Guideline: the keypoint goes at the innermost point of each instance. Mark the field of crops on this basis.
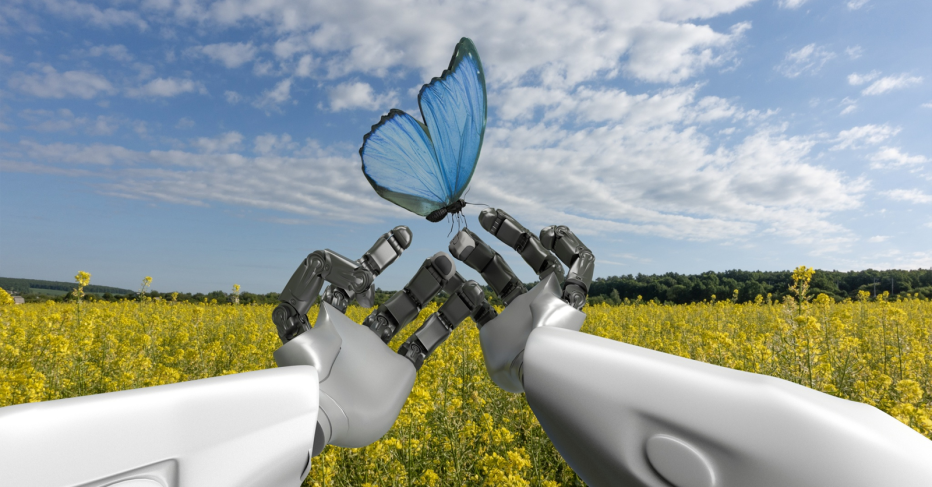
(457, 428)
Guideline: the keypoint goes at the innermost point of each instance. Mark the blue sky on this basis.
(211, 143)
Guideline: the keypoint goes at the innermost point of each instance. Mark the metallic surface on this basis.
(318, 348)
(503, 338)
(601, 402)
(572, 252)
(514, 235)
(467, 300)
(471, 250)
(348, 280)
(248, 429)
(403, 306)
(367, 385)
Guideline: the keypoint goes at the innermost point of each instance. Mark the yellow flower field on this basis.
(457, 428)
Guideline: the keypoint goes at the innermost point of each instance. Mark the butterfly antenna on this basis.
(468, 203)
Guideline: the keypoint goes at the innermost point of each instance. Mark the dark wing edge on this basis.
(415, 204)
(382, 121)
(463, 49)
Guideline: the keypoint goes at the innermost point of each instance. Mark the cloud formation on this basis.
(910, 195)
(809, 58)
(556, 43)
(46, 82)
(890, 83)
(231, 55)
(165, 88)
(892, 157)
(352, 95)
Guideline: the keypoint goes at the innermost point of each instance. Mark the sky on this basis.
(212, 143)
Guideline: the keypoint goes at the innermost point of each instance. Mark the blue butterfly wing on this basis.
(398, 160)
(425, 167)
(454, 110)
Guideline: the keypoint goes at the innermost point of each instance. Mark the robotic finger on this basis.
(554, 302)
(467, 299)
(539, 253)
(467, 247)
(349, 279)
(532, 250)
(400, 309)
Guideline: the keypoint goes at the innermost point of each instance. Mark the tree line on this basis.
(674, 288)
(669, 288)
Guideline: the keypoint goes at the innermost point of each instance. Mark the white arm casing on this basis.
(252, 429)
(625, 415)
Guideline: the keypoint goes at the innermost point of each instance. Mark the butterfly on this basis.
(425, 167)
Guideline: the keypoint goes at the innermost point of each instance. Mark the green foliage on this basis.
(676, 288)
(38, 286)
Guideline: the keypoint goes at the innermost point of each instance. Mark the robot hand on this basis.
(555, 301)
(625, 415)
(363, 383)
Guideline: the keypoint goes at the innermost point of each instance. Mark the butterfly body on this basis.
(441, 213)
(425, 167)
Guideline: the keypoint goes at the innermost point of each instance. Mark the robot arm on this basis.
(624, 415)
(363, 383)
(338, 383)
(254, 428)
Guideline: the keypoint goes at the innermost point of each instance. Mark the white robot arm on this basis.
(625, 415)
(254, 428)
(337, 383)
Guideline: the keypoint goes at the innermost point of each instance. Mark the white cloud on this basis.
(791, 4)
(141, 128)
(878, 238)
(352, 95)
(96, 154)
(672, 105)
(892, 157)
(46, 82)
(671, 53)
(857, 4)
(64, 120)
(665, 182)
(165, 87)
(229, 54)
(108, 17)
(116, 51)
(858, 137)
(854, 52)
(849, 104)
(224, 144)
(556, 42)
(305, 66)
(49, 121)
(910, 195)
(809, 58)
(859, 79)
(892, 258)
(309, 182)
(889, 83)
(232, 97)
(275, 97)
(272, 144)
(184, 123)
(102, 125)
